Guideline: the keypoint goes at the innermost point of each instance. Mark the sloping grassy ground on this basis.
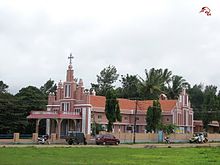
(109, 155)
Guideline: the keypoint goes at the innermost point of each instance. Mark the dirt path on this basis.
(177, 145)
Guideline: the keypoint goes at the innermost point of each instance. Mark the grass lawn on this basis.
(109, 155)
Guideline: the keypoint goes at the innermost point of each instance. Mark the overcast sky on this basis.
(36, 37)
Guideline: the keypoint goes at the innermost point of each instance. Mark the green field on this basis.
(109, 155)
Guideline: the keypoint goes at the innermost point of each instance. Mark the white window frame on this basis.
(65, 106)
(77, 111)
(67, 91)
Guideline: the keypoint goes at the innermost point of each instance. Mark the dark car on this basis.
(106, 139)
(74, 137)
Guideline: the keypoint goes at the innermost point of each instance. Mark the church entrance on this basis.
(70, 125)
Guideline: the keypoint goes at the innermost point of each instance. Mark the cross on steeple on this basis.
(70, 57)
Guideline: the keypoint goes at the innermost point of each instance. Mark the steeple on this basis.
(80, 82)
(69, 76)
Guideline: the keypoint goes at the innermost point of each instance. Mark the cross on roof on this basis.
(70, 57)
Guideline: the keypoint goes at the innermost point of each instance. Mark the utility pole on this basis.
(135, 120)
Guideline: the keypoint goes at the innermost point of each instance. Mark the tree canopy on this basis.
(155, 83)
(112, 109)
(3, 87)
(14, 109)
(175, 86)
(205, 103)
(153, 117)
(105, 80)
(48, 87)
(11, 118)
(130, 85)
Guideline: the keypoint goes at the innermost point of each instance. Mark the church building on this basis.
(74, 108)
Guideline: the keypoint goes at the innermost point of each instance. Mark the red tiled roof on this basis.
(126, 104)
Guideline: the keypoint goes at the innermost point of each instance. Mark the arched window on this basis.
(67, 90)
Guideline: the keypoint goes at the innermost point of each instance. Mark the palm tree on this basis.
(154, 84)
(174, 89)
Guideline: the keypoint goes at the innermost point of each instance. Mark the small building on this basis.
(213, 126)
(74, 108)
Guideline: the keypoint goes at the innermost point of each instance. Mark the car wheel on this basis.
(116, 143)
(104, 143)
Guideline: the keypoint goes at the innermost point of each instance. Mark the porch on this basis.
(58, 123)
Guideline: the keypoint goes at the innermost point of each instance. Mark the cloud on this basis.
(36, 38)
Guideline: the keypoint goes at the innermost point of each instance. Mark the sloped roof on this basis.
(126, 104)
(200, 123)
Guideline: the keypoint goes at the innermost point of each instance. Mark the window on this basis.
(65, 107)
(67, 90)
(186, 100)
(125, 118)
(184, 118)
(168, 119)
(77, 110)
(99, 118)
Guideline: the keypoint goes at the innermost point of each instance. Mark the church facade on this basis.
(74, 108)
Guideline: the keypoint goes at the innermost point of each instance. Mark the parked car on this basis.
(74, 137)
(199, 137)
(106, 139)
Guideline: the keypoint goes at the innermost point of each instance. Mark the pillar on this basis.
(16, 137)
(53, 137)
(88, 120)
(84, 120)
(47, 126)
(34, 137)
(68, 125)
(58, 128)
(37, 125)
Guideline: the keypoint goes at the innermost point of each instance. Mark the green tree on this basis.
(3, 87)
(175, 86)
(153, 117)
(210, 105)
(217, 116)
(168, 128)
(166, 76)
(155, 83)
(112, 109)
(48, 87)
(11, 118)
(130, 85)
(105, 80)
(30, 98)
(196, 97)
(96, 128)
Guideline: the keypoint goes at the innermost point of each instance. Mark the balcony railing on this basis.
(54, 112)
